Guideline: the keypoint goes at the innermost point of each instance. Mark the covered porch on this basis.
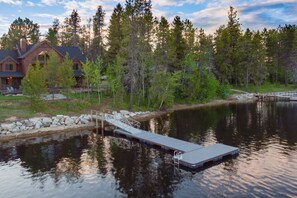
(10, 82)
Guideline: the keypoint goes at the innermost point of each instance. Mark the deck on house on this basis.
(191, 155)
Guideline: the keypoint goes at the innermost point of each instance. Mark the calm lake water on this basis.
(81, 164)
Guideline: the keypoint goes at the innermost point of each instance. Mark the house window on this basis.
(9, 67)
(75, 66)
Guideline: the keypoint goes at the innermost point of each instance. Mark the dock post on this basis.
(102, 123)
(96, 122)
(92, 115)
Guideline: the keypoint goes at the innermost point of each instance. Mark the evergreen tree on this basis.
(177, 44)
(52, 71)
(286, 38)
(246, 56)
(71, 29)
(222, 59)
(161, 52)
(66, 74)
(53, 33)
(20, 28)
(205, 52)
(259, 68)
(115, 34)
(97, 43)
(226, 49)
(34, 83)
(271, 39)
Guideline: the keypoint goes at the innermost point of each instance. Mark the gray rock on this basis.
(69, 121)
(47, 122)
(19, 124)
(59, 116)
(84, 121)
(8, 127)
(38, 125)
(124, 112)
(22, 128)
(34, 120)
(16, 129)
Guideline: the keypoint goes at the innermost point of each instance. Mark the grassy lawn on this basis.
(268, 87)
(19, 107)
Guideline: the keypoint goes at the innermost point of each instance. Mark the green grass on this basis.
(15, 108)
(268, 87)
(12, 98)
(21, 108)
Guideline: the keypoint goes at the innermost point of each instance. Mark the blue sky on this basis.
(208, 14)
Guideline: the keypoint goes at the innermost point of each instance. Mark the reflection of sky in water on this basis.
(86, 165)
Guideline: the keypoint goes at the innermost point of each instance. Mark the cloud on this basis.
(30, 3)
(49, 2)
(12, 2)
(43, 15)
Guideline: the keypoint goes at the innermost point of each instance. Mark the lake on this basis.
(86, 164)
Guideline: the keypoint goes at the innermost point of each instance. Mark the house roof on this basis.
(73, 51)
(12, 74)
(8, 53)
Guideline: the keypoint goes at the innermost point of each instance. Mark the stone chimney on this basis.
(23, 44)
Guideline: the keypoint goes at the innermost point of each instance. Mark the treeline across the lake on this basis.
(152, 62)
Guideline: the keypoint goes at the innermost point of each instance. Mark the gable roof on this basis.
(8, 53)
(73, 51)
(35, 46)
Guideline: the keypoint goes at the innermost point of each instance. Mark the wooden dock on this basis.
(277, 96)
(187, 154)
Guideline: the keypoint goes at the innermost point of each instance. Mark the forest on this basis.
(154, 63)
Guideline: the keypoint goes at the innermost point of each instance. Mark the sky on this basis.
(206, 14)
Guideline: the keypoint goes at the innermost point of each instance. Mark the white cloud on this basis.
(49, 2)
(43, 15)
(30, 3)
(12, 2)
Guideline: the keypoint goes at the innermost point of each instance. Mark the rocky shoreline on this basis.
(43, 122)
(51, 125)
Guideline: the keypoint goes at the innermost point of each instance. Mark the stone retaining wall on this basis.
(43, 122)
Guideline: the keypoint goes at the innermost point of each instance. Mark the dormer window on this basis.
(9, 67)
(42, 58)
(75, 66)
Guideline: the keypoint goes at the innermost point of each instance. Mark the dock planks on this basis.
(193, 155)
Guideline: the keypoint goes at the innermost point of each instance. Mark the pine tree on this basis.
(97, 43)
(34, 83)
(161, 52)
(246, 57)
(271, 40)
(52, 71)
(259, 68)
(53, 33)
(66, 74)
(20, 28)
(115, 34)
(71, 29)
(177, 44)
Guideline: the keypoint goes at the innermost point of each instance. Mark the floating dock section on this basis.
(187, 154)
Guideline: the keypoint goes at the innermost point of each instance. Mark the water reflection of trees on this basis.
(236, 124)
(61, 159)
(142, 172)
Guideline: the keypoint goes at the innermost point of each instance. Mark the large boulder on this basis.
(8, 127)
(47, 122)
(69, 121)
